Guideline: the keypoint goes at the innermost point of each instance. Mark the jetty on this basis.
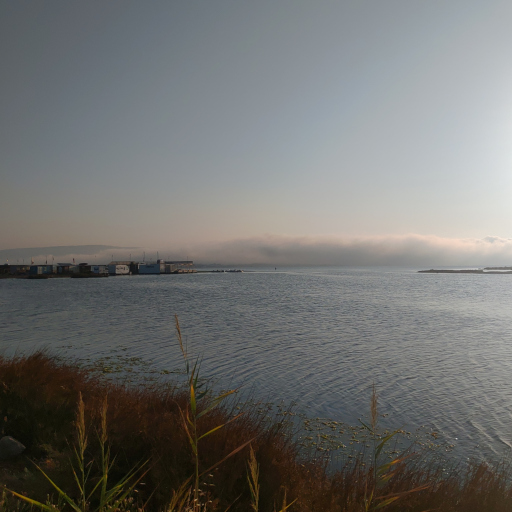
(486, 270)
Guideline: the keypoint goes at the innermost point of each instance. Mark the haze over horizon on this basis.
(411, 250)
(288, 132)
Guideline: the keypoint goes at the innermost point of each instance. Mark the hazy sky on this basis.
(184, 124)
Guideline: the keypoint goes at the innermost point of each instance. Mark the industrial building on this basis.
(114, 268)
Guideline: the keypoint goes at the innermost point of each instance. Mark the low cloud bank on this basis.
(64, 254)
(385, 250)
(405, 250)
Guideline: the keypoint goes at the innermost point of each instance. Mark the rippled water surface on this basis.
(437, 346)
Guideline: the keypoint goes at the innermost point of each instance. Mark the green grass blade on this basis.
(180, 497)
(216, 401)
(235, 451)
(223, 425)
(207, 410)
(210, 432)
(385, 478)
(192, 399)
(71, 503)
(117, 493)
(382, 469)
(93, 490)
(189, 435)
(201, 394)
(385, 503)
(31, 501)
(365, 426)
(284, 508)
(381, 445)
(78, 483)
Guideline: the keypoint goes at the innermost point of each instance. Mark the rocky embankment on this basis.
(486, 270)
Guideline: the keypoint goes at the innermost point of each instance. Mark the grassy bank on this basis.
(73, 420)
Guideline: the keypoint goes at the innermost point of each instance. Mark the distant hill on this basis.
(56, 251)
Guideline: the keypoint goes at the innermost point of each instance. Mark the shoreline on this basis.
(41, 394)
(487, 270)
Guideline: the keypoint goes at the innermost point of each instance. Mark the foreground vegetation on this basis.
(97, 445)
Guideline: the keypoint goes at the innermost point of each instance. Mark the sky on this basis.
(301, 132)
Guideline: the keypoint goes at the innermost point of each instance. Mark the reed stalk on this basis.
(40, 404)
(109, 497)
(199, 393)
(253, 474)
(381, 474)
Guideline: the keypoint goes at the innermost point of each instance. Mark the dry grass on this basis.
(39, 395)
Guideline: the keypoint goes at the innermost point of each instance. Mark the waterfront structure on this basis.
(149, 268)
(99, 270)
(118, 269)
(38, 270)
(178, 267)
(19, 270)
(64, 268)
(86, 270)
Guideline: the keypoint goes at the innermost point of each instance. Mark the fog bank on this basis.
(405, 250)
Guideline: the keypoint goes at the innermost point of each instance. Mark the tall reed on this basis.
(381, 474)
(108, 498)
(40, 405)
(198, 392)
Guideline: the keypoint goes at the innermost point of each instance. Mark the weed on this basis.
(194, 412)
(110, 497)
(41, 406)
(253, 474)
(380, 474)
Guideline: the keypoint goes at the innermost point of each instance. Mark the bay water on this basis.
(438, 347)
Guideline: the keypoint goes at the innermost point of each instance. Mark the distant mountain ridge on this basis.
(56, 251)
